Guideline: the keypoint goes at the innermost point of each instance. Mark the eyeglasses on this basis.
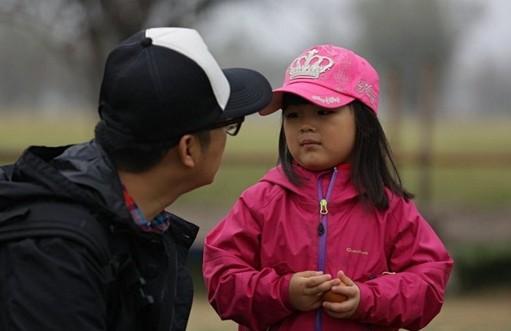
(231, 126)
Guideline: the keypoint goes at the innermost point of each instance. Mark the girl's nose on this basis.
(306, 127)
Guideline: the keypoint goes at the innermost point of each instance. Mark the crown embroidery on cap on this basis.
(310, 65)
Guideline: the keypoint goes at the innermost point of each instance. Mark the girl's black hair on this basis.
(373, 166)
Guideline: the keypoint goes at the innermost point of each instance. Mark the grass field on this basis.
(483, 183)
(259, 134)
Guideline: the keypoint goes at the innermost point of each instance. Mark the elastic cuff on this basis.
(284, 292)
(365, 301)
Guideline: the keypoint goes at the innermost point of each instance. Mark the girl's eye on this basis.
(324, 112)
(290, 115)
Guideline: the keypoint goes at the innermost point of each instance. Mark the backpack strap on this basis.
(124, 269)
(6, 171)
(56, 218)
(37, 219)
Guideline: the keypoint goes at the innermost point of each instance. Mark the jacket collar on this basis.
(342, 190)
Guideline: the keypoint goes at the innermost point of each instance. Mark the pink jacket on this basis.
(273, 231)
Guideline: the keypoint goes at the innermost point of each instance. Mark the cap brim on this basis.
(250, 92)
(316, 94)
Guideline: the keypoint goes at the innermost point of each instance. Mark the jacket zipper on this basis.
(322, 232)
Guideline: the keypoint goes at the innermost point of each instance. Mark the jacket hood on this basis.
(78, 173)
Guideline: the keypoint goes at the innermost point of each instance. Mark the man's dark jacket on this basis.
(53, 283)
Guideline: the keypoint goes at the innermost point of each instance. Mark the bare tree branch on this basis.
(82, 32)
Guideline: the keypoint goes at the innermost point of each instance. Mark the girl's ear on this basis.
(189, 150)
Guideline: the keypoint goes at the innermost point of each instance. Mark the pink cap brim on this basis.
(316, 94)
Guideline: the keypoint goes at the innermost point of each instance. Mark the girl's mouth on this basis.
(307, 142)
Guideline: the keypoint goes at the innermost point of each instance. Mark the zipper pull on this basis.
(322, 207)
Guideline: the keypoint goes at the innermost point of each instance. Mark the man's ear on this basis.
(189, 150)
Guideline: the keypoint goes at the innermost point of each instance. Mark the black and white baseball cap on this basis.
(162, 83)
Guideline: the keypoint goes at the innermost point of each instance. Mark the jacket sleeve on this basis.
(50, 284)
(238, 288)
(411, 293)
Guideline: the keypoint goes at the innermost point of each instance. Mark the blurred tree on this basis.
(413, 41)
(405, 35)
(81, 32)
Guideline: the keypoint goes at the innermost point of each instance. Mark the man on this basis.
(165, 108)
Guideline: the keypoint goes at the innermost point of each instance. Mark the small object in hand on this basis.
(334, 297)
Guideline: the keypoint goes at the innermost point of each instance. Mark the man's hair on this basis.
(134, 156)
(373, 166)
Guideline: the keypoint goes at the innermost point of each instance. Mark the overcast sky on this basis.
(491, 35)
(272, 34)
(284, 29)
(488, 41)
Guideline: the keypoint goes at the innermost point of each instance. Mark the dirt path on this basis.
(475, 313)
(482, 312)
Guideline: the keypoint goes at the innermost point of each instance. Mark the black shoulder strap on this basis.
(6, 171)
(56, 218)
(77, 223)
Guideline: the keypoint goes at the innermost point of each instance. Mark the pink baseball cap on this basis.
(330, 77)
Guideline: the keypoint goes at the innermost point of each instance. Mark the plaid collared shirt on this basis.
(158, 224)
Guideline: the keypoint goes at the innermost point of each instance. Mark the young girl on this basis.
(332, 216)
